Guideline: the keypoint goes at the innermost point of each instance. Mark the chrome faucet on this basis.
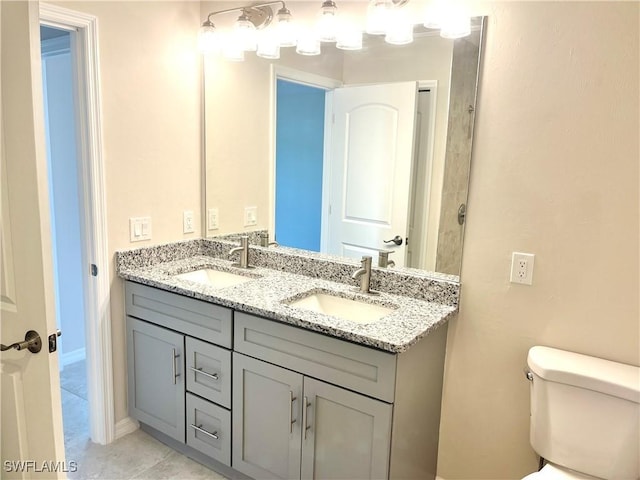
(364, 273)
(264, 240)
(243, 261)
(383, 259)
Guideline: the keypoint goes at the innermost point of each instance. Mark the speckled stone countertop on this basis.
(271, 290)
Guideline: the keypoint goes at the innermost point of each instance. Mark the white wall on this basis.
(555, 173)
(151, 106)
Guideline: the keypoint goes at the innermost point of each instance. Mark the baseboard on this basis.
(72, 357)
(126, 426)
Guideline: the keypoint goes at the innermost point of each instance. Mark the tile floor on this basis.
(134, 456)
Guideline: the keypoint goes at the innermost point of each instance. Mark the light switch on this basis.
(250, 216)
(187, 222)
(139, 228)
(212, 219)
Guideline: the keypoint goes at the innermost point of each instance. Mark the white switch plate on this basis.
(187, 222)
(139, 228)
(250, 216)
(213, 222)
(522, 268)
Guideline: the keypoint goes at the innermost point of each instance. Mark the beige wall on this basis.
(151, 110)
(555, 173)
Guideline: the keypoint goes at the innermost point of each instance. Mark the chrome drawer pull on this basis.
(199, 428)
(213, 376)
(291, 420)
(305, 415)
(174, 355)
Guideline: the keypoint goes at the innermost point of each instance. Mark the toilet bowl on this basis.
(555, 472)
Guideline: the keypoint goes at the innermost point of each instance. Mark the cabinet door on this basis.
(156, 377)
(266, 419)
(346, 435)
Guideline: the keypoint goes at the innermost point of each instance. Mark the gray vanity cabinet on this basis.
(272, 400)
(287, 425)
(156, 377)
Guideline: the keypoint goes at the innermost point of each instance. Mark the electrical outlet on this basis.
(522, 268)
(139, 229)
(187, 222)
(250, 216)
(213, 222)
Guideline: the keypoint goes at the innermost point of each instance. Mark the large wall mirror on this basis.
(348, 152)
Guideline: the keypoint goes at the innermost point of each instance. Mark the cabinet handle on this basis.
(174, 355)
(199, 428)
(305, 415)
(213, 376)
(291, 419)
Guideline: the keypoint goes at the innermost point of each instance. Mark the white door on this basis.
(30, 393)
(370, 169)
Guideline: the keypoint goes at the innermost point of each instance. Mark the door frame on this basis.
(278, 72)
(84, 51)
(432, 86)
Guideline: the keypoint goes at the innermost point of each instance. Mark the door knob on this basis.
(32, 342)
(397, 240)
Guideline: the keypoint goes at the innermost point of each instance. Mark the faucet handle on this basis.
(383, 258)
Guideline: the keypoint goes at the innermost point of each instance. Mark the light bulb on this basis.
(377, 15)
(231, 49)
(308, 45)
(285, 28)
(208, 38)
(456, 25)
(268, 45)
(399, 28)
(349, 38)
(245, 34)
(327, 26)
(434, 14)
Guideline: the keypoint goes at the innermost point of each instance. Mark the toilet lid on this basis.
(554, 472)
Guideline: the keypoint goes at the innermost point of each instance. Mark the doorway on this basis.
(79, 227)
(65, 206)
(319, 201)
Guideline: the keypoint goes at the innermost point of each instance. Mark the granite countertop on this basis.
(269, 292)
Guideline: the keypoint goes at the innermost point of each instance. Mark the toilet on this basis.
(585, 416)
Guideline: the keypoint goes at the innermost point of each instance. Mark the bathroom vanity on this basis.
(244, 379)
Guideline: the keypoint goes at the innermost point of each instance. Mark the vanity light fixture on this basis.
(384, 17)
(252, 19)
(327, 25)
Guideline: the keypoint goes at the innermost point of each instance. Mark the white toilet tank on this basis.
(585, 413)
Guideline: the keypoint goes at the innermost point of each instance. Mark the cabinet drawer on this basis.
(209, 429)
(355, 367)
(208, 371)
(177, 312)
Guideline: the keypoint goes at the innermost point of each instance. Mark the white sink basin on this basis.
(344, 308)
(214, 278)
